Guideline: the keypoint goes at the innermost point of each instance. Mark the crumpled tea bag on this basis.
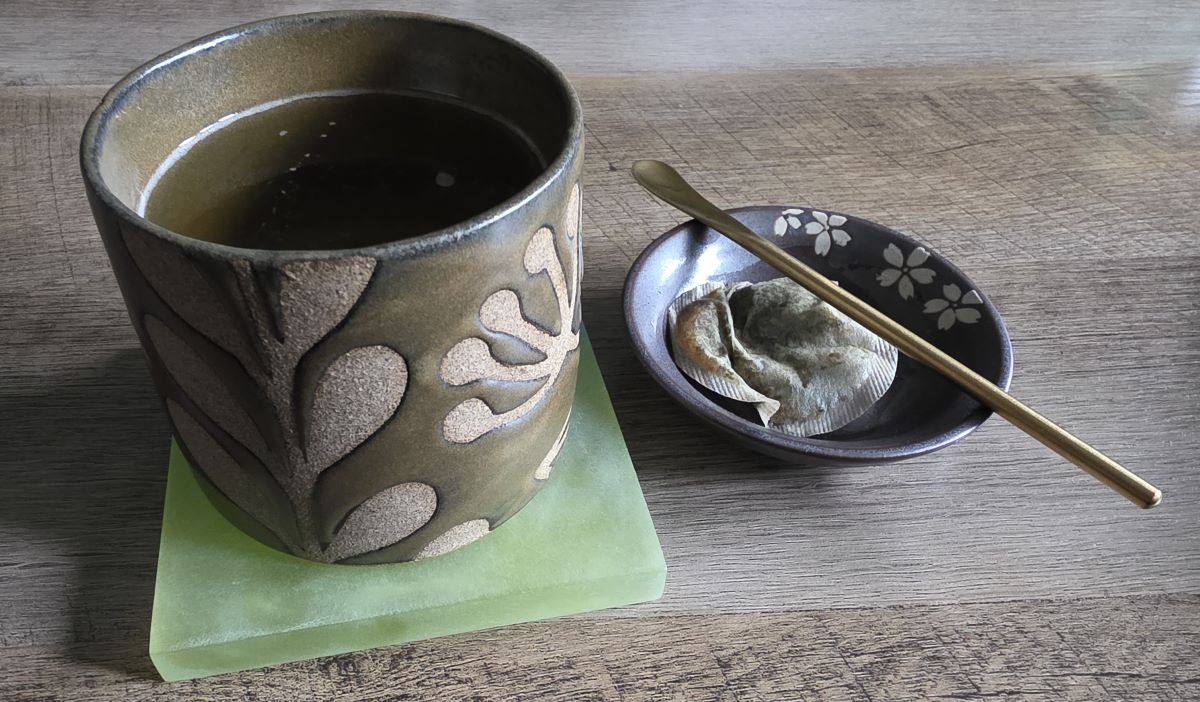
(702, 337)
(807, 368)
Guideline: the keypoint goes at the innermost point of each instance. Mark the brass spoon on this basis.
(663, 181)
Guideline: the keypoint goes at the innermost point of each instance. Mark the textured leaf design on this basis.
(315, 296)
(574, 213)
(547, 465)
(471, 359)
(263, 449)
(572, 228)
(291, 309)
(294, 308)
(356, 395)
(384, 519)
(204, 387)
(253, 491)
(269, 319)
(455, 538)
(196, 298)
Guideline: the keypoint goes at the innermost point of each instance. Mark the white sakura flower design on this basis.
(789, 218)
(952, 308)
(823, 226)
(905, 271)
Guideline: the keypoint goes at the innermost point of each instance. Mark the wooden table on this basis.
(1051, 152)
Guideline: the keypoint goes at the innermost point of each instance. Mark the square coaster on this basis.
(223, 602)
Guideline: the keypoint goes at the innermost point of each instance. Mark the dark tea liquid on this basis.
(340, 170)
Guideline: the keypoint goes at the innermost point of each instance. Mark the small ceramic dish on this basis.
(921, 411)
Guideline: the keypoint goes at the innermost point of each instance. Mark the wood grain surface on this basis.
(1067, 190)
(83, 41)
(1112, 648)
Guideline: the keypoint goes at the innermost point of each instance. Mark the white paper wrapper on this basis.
(708, 349)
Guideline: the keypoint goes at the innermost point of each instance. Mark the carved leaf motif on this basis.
(547, 465)
(358, 393)
(314, 296)
(573, 214)
(572, 226)
(292, 309)
(296, 307)
(192, 295)
(471, 359)
(384, 519)
(204, 387)
(269, 318)
(253, 491)
(455, 538)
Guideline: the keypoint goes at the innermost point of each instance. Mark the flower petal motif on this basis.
(888, 277)
(836, 220)
(814, 228)
(918, 256)
(952, 292)
(781, 226)
(893, 255)
(793, 221)
(924, 276)
(946, 319)
(793, 211)
(821, 217)
(936, 305)
(840, 237)
(905, 287)
(822, 244)
(972, 298)
(967, 315)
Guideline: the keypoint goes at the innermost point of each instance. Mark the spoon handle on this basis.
(663, 181)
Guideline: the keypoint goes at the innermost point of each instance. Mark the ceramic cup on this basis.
(370, 405)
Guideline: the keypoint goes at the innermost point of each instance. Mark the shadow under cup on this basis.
(377, 404)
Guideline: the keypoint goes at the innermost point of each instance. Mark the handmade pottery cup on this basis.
(370, 405)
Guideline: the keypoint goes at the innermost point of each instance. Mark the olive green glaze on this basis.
(333, 401)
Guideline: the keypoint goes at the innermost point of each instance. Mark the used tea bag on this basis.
(702, 337)
(807, 368)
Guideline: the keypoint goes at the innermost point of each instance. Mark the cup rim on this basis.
(93, 132)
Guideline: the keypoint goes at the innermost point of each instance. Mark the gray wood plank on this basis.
(1103, 649)
(79, 41)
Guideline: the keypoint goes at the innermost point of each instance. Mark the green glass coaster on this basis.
(223, 602)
